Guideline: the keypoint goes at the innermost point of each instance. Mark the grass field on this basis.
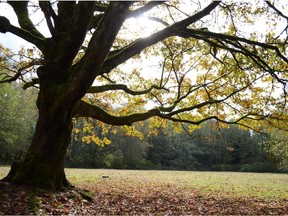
(134, 192)
(266, 185)
(262, 185)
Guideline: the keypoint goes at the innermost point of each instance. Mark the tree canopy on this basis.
(212, 62)
(125, 62)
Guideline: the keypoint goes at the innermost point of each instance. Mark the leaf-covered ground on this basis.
(118, 194)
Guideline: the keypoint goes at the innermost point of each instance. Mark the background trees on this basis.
(18, 115)
(18, 112)
(277, 146)
(207, 148)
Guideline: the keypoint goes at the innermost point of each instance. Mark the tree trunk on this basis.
(43, 166)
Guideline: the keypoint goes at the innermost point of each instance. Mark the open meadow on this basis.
(168, 192)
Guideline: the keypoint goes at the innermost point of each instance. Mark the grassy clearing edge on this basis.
(258, 185)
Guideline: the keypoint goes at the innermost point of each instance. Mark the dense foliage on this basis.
(207, 148)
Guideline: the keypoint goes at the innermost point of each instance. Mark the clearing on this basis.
(114, 192)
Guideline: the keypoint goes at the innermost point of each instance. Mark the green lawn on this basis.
(258, 185)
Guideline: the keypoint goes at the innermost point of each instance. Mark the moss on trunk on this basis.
(43, 166)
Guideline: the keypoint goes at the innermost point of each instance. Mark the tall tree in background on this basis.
(229, 72)
(17, 120)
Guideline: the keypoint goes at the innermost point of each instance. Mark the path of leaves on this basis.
(124, 198)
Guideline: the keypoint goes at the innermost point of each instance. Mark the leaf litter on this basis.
(124, 197)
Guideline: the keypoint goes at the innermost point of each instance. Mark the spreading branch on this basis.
(32, 83)
(97, 51)
(156, 19)
(21, 10)
(208, 34)
(20, 71)
(276, 10)
(232, 122)
(5, 26)
(76, 32)
(85, 109)
(49, 14)
(65, 13)
(88, 110)
(233, 45)
(117, 57)
(104, 88)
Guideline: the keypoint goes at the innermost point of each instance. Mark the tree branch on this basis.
(20, 8)
(95, 21)
(276, 10)
(33, 82)
(65, 13)
(48, 13)
(76, 32)
(237, 47)
(235, 122)
(208, 34)
(88, 110)
(97, 51)
(155, 19)
(99, 89)
(5, 26)
(117, 57)
(20, 70)
(168, 111)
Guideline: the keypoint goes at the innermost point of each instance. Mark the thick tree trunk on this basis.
(43, 165)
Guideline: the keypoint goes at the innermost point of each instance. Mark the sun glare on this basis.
(147, 25)
(142, 26)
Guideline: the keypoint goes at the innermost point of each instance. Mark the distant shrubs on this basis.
(258, 167)
(250, 167)
(114, 161)
(226, 167)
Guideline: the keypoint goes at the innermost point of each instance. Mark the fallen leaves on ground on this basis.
(13, 200)
(119, 197)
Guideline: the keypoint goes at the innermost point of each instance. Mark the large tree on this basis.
(204, 60)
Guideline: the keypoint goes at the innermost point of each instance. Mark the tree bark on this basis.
(43, 166)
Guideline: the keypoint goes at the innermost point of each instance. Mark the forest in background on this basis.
(206, 148)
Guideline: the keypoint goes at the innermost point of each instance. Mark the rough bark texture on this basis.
(43, 165)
